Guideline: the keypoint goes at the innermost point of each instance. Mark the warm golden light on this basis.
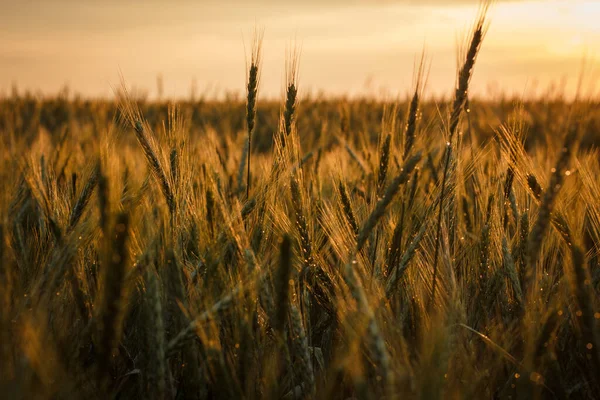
(355, 47)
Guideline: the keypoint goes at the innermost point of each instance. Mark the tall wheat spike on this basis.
(251, 95)
(460, 97)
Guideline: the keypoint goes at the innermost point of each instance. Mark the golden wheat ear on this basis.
(253, 81)
(460, 98)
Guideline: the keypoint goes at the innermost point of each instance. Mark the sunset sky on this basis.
(347, 46)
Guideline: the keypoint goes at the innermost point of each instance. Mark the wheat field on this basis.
(311, 248)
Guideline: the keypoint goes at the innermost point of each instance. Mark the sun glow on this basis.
(354, 47)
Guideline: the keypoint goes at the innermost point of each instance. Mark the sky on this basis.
(347, 47)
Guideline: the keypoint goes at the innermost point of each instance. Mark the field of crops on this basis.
(312, 248)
